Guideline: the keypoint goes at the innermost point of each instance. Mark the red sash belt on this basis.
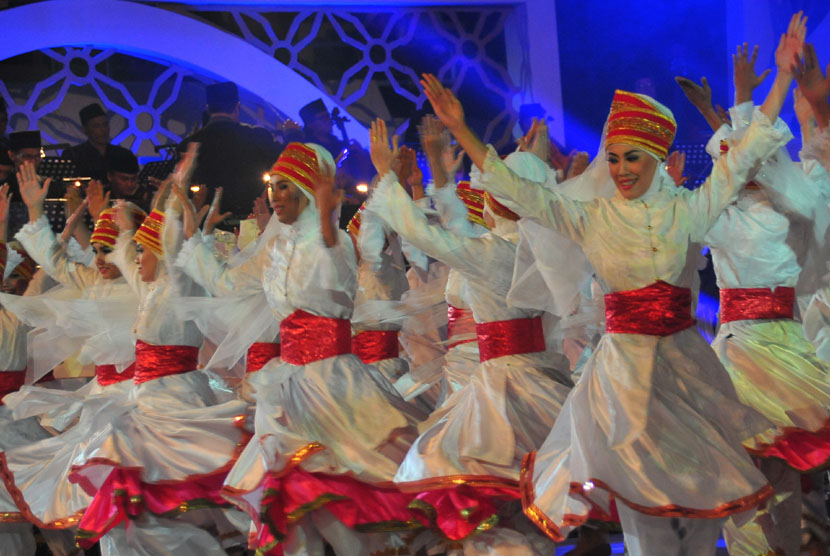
(306, 337)
(460, 322)
(659, 309)
(108, 374)
(11, 381)
(756, 303)
(259, 354)
(509, 337)
(152, 361)
(375, 345)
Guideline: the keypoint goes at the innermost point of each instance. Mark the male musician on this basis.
(91, 157)
(317, 128)
(232, 155)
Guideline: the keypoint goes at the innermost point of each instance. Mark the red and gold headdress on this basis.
(354, 224)
(499, 208)
(473, 199)
(298, 163)
(638, 120)
(106, 230)
(18, 260)
(149, 233)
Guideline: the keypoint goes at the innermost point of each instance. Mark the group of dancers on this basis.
(479, 368)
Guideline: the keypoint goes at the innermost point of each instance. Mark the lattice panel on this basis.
(371, 62)
(153, 102)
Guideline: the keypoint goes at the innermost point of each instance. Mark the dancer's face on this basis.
(108, 270)
(286, 200)
(631, 168)
(15, 284)
(147, 263)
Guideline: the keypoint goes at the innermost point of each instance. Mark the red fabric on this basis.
(509, 337)
(659, 309)
(11, 381)
(259, 354)
(459, 321)
(108, 374)
(152, 361)
(288, 496)
(459, 512)
(376, 345)
(306, 337)
(124, 495)
(756, 303)
(802, 450)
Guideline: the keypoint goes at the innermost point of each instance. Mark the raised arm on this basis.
(815, 86)
(391, 203)
(787, 56)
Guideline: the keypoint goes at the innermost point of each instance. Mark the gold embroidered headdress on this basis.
(640, 121)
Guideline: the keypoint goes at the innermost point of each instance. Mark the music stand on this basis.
(57, 168)
(158, 169)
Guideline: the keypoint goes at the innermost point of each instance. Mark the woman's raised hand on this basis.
(214, 217)
(746, 80)
(675, 164)
(98, 201)
(791, 45)
(382, 155)
(31, 190)
(446, 105)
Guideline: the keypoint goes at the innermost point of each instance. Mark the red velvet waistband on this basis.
(659, 309)
(11, 381)
(306, 337)
(152, 361)
(459, 322)
(108, 374)
(259, 354)
(375, 345)
(756, 303)
(509, 337)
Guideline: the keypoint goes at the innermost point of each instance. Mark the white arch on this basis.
(160, 34)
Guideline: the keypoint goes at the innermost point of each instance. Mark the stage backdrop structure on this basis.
(149, 64)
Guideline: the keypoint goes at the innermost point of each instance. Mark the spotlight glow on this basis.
(362, 188)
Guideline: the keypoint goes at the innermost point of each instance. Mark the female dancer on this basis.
(772, 365)
(322, 458)
(37, 474)
(470, 451)
(168, 451)
(654, 419)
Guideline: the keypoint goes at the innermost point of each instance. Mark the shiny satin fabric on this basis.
(154, 361)
(306, 337)
(108, 374)
(11, 381)
(461, 327)
(372, 346)
(756, 303)
(509, 337)
(659, 309)
(776, 372)
(259, 354)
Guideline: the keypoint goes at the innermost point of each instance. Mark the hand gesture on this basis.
(723, 115)
(814, 86)
(190, 218)
(214, 217)
(382, 156)
(791, 44)
(98, 201)
(416, 176)
(5, 202)
(184, 170)
(73, 200)
(675, 164)
(431, 133)
(540, 141)
(446, 105)
(451, 157)
(579, 163)
(327, 196)
(699, 95)
(73, 219)
(162, 193)
(746, 80)
(402, 164)
(122, 216)
(261, 212)
(31, 190)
